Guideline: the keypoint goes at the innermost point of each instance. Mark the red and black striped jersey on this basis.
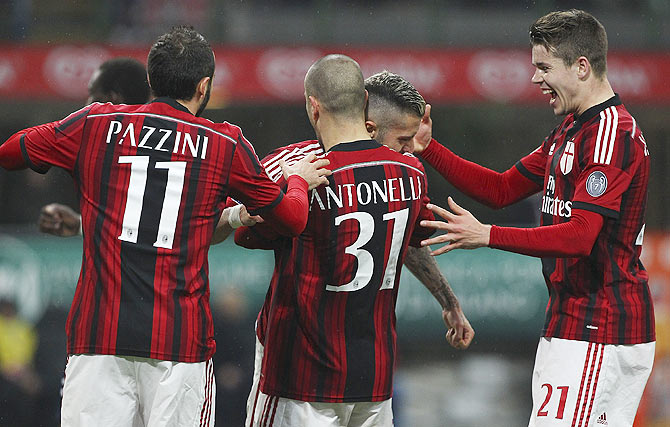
(597, 161)
(152, 181)
(290, 154)
(330, 333)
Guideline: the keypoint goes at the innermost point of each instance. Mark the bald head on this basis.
(336, 81)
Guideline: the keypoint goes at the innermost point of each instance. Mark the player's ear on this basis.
(201, 89)
(583, 67)
(371, 128)
(314, 108)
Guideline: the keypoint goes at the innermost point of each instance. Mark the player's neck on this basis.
(191, 105)
(599, 92)
(337, 132)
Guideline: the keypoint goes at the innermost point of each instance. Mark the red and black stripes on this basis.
(328, 324)
(152, 180)
(602, 297)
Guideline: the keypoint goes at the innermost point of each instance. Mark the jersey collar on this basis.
(596, 109)
(364, 144)
(172, 103)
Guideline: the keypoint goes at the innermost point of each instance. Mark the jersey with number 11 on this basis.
(152, 180)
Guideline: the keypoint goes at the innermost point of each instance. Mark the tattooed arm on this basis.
(425, 269)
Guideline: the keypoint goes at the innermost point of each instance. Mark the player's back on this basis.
(152, 180)
(331, 329)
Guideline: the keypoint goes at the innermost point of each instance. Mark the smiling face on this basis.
(556, 79)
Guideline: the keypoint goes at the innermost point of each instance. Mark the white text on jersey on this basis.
(388, 190)
(173, 139)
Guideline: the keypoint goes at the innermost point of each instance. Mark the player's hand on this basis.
(425, 133)
(460, 333)
(249, 220)
(311, 170)
(59, 220)
(463, 230)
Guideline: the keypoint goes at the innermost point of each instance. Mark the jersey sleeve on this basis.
(421, 233)
(487, 186)
(608, 167)
(533, 165)
(249, 183)
(55, 143)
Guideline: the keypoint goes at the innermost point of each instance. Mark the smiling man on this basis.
(597, 345)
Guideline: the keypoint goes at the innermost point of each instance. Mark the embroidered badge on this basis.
(596, 184)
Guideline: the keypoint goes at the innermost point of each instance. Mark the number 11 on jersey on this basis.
(139, 166)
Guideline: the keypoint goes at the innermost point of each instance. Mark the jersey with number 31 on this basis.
(330, 333)
(152, 181)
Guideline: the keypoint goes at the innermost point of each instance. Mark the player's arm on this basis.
(487, 186)
(261, 236)
(425, 269)
(287, 212)
(232, 217)
(492, 188)
(11, 157)
(42, 146)
(574, 238)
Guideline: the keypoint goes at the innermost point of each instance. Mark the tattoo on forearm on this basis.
(425, 269)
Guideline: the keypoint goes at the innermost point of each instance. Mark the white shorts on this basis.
(106, 390)
(256, 399)
(273, 411)
(580, 384)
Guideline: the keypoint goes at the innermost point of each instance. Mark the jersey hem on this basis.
(315, 398)
(137, 353)
(607, 340)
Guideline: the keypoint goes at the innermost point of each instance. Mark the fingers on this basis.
(455, 207)
(441, 212)
(444, 249)
(309, 158)
(426, 114)
(49, 221)
(321, 164)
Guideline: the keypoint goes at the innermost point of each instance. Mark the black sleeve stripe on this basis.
(539, 180)
(24, 152)
(252, 156)
(595, 208)
(63, 126)
(268, 207)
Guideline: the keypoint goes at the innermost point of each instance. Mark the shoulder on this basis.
(290, 154)
(295, 151)
(408, 159)
(413, 161)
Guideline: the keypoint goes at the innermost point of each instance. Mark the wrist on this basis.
(234, 220)
(297, 180)
(487, 234)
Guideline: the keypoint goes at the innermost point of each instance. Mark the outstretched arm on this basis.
(425, 269)
(487, 186)
(10, 153)
(574, 238)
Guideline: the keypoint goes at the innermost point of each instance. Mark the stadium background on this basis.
(470, 60)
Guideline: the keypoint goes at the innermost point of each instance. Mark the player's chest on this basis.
(564, 162)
